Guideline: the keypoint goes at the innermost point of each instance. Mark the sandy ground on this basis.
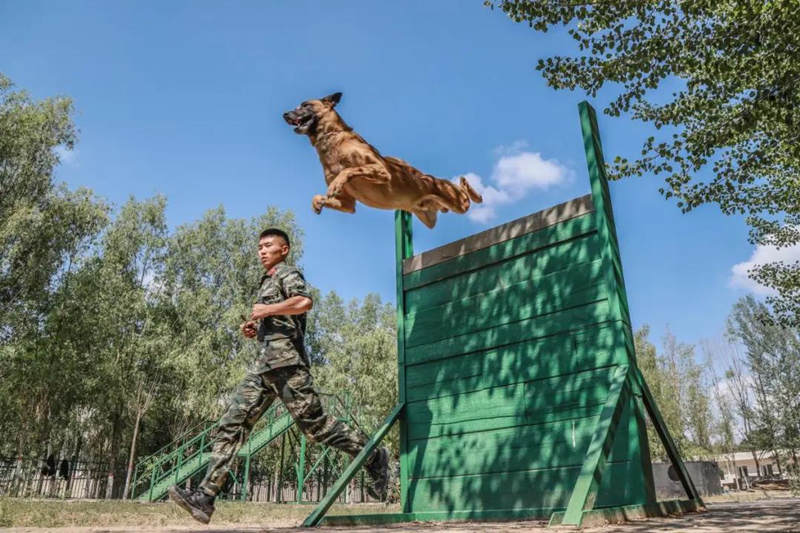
(762, 516)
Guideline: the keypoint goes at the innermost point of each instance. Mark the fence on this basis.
(59, 478)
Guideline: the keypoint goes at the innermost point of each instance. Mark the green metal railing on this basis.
(189, 454)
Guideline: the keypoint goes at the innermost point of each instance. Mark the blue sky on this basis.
(185, 99)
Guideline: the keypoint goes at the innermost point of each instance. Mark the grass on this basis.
(19, 512)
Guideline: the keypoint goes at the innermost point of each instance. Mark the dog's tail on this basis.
(467, 188)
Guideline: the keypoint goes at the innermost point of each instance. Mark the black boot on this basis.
(199, 504)
(378, 470)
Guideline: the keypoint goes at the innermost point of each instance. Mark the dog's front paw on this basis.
(317, 203)
(334, 189)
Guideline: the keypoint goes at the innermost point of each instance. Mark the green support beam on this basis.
(585, 491)
(404, 249)
(359, 460)
(666, 438)
(300, 468)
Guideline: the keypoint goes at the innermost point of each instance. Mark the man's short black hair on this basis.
(275, 231)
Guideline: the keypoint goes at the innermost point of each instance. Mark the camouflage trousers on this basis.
(295, 387)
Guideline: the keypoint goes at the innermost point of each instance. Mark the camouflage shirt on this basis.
(281, 335)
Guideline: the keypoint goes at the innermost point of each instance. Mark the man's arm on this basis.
(294, 305)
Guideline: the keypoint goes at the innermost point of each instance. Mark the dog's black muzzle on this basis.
(303, 121)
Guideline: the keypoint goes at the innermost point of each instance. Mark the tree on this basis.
(355, 346)
(773, 359)
(679, 387)
(735, 114)
(45, 233)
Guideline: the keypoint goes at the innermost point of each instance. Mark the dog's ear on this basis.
(332, 99)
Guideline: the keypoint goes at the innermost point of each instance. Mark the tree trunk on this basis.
(134, 439)
(116, 421)
(758, 464)
(777, 461)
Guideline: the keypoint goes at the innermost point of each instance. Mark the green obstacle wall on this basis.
(519, 394)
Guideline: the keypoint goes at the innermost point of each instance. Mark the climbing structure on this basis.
(188, 456)
(519, 394)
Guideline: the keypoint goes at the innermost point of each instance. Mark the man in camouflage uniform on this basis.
(281, 370)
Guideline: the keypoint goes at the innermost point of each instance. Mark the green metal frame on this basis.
(188, 455)
(626, 390)
(191, 455)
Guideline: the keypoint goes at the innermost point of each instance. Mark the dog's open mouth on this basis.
(302, 123)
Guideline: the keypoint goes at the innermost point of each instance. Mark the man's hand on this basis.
(249, 329)
(260, 311)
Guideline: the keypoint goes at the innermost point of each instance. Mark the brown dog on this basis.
(354, 170)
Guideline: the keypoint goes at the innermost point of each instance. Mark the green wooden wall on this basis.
(508, 341)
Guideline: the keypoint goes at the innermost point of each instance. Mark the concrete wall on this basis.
(706, 476)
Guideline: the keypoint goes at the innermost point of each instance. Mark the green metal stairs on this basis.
(188, 455)
(183, 458)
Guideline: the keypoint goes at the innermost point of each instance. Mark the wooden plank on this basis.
(548, 445)
(424, 429)
(500, 451)
(590, 386)
(553, 433)
(543, 391)
(529, 360)
(515, 228)
(498, 368)
(556, 355)
(586, 485)
(505, 273)
(558, 291)
(508, 490)
(543, 488)
(357, 462)
(532, 242)
(570, 320)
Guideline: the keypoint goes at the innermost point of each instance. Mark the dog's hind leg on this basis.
(427, 208)
(427, 217)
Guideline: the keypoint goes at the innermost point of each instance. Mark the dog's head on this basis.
(307, 116)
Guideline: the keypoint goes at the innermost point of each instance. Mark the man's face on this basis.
(272, 249)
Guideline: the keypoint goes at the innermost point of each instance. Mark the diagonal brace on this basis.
(585, 490)
(359, 460)
(666, 438)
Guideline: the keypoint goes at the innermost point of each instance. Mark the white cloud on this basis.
(513, 148)
(761, 255)
(515, 173)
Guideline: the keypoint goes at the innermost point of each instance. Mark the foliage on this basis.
(733, 112)
(772, 357)
(679, 386)
(356, 347)
(46, 231)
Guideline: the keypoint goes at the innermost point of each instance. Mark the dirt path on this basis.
(758, 516)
